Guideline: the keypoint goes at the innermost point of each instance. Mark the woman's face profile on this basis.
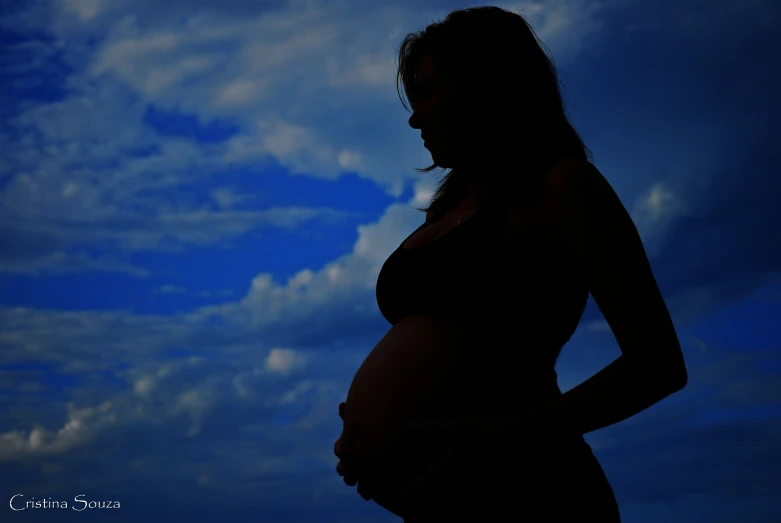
(438, 113)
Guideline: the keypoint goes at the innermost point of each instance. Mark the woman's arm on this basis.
(604, 246)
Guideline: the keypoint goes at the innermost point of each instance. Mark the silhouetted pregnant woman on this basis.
(483, 296)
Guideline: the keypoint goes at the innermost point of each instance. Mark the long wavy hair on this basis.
(514, 108)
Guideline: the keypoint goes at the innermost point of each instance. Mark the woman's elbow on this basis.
(683, 378)
(672, 369)
(668, 375)
(675, 376)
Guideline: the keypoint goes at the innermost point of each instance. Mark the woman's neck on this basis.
(477, 184)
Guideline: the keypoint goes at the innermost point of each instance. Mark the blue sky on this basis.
(195, 203)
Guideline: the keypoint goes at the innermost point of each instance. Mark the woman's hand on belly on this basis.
(382, 470)
(339, 451)
(422, 368)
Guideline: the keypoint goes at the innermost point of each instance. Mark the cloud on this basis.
(90, 170)
(324, 305)
(653, 213)
(169, 289)
(308, 312)
(39, 441)
(220, 407)
(187, 396)
(563, 25)
(63, 262)
(283, 360)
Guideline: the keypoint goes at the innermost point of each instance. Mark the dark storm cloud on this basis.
(688, 92)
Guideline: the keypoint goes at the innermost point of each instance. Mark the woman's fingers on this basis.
(349, 478)
(364, 491)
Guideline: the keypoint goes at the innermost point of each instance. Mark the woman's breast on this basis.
(425, 368)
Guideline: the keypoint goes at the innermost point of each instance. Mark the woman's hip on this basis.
(556, 481)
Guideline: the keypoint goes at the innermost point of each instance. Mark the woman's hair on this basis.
(513, 108)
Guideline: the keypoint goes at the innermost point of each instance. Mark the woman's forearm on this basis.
(617, 392)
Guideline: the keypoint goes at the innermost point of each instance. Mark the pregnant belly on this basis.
(421, 369)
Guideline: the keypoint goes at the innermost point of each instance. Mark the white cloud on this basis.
(61, 262)
(339, 287)
(85, 9)
(170, 289)
(658, 204)
(240, 93)
(77, 430)
(144, 386)
(563, 25)
(654, 211)
(227, 198)
(283, 360)
(598, 326)
(184, 396)
(301, 82)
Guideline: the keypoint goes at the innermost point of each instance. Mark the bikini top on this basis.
(470, 275)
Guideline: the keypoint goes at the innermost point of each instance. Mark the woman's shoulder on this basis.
(526, 218)
(561, 178)
(566, 175)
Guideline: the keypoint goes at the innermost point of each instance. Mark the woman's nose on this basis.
(414, 120)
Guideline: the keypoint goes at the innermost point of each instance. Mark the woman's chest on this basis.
(528, 233)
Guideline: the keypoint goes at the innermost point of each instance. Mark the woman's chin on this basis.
(442, 161)
(389, 503)
(386, 481)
